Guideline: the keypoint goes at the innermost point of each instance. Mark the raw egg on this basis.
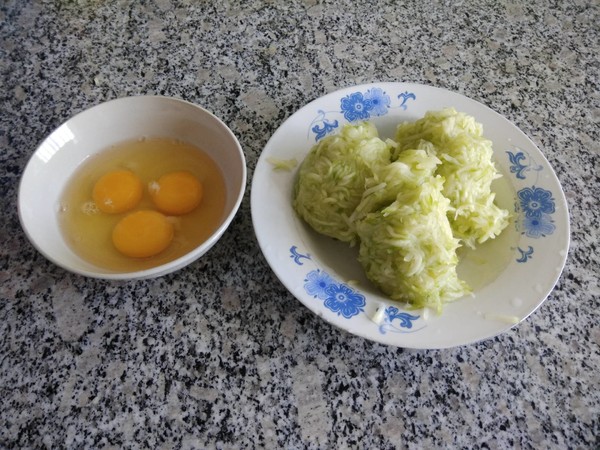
(117, 191)
(142, 234)
(88, 230)
(176, 193)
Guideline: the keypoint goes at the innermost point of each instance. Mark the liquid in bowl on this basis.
(88, 231)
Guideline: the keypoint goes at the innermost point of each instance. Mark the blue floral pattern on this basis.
(534, 205)
(323, 125)
(344, 300)
(525, 254)
(521, 163)
(338, 297)
(357, 106)
(380, 101)
(392, 313)
(316, 284)
(536, 202)
(347, 302)
(298, 256)
(538, 226)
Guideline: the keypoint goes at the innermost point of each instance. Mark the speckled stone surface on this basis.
(220, 355)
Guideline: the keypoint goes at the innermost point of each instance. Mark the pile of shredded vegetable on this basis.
(409, 204)
(467, 169)
(332, 177)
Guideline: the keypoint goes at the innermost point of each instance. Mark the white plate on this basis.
(510, 276)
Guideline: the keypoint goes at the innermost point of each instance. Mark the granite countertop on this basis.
(219, 354)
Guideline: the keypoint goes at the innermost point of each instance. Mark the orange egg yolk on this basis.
(117, 191)
(142, 234)
(176, 193)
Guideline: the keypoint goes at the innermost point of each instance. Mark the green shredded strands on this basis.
(408, 203)
(511, 320)
(467, 168)
(332, 177)
(407, 247)
(282, 164)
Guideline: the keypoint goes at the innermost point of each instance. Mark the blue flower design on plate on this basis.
(346, 301)
(380, 101)
(521, 163)
(538, 226)
(358, 106)
(325, 126)
(536, 202)
(338, 297)
(392, 313)
(534, 205)
(525, 254)
(297, 256)
(316, 284)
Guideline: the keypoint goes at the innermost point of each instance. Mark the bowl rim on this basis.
(162, 269)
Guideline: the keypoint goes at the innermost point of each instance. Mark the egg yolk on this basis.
(117, 191)
(176, 193)
(142, 234)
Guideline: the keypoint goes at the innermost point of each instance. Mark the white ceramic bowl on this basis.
(96, 129)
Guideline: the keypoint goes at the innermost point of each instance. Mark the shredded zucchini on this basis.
(467, 168)
(407, 248)
(282, 164)
(409, 203)
(331, 179)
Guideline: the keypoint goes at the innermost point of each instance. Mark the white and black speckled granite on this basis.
(219, 355)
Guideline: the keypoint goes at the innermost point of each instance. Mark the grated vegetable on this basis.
(409, 203)
(331, 179)
(467, 169)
